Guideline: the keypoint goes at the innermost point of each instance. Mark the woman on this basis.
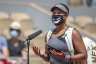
(57, 50)
(15, 44)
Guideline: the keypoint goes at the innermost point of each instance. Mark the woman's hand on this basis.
(36, 50)
(58, 54)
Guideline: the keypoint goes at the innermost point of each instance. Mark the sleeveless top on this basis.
(59, 44)
(16, 50)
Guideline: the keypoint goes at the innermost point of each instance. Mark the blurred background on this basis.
(35, 14)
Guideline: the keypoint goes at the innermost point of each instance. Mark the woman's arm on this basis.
(5, 52)
(81, 53)
(37, 51)
(46, 55)
(4, 45)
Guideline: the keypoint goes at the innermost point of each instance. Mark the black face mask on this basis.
(57, 19)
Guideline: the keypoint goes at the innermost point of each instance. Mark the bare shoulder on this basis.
(76, 34)
(77, 38)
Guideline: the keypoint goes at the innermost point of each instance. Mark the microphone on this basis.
(32, 36)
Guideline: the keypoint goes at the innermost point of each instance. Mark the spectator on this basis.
(3, 45)
(15, 45)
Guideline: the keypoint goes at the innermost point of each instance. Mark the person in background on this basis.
(15, 45)
(3, 45)
(4, 53)
(64, 44)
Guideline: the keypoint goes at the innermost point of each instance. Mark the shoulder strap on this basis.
(68, 38)
(48, 35)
